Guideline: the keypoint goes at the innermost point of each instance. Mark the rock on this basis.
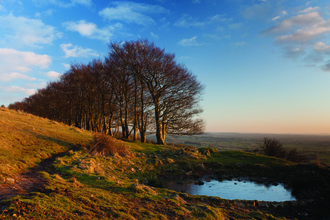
(200, 166)
(159, 162)
(199, 182)
(169, 160)
(263, 204)
(10, 180)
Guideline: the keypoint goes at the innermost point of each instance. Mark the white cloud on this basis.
(310, 9)
(279, 16)
(189, 21)
(301, 32)
(321, 47)
(77, 51)
(154, 35)
(17, 89)
(90, 30)
(257, 11)
(275, 18)
(27, 32)
(66, 66)
(306, 34)
(294, 52)
(240, 44)
(235, 26)
(130, 12)
(7, 77)
(53, 74)
(190, 42)
(214, 36)
(307, 21)
(64, 4)
(19, 61)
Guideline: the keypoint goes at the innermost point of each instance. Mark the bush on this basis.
(274, 148)
(105, 145)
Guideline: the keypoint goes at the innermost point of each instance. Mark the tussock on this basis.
(105, 145)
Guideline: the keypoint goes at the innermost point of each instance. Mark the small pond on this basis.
(233, 189)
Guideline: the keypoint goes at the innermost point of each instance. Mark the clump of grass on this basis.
(105, 145)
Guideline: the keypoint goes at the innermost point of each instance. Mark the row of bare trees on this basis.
(138, 88)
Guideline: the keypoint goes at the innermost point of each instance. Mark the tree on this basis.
(174, 90)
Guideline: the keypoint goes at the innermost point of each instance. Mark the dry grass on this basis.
(26, 139)
(105, 145)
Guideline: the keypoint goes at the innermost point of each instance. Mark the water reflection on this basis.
(231, 189)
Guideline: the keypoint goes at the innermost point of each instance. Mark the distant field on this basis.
(316, 146)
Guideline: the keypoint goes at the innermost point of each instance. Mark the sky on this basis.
(265, 64)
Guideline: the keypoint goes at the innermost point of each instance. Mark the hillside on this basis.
(46, 172)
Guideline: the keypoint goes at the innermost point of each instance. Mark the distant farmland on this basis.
(316, 146)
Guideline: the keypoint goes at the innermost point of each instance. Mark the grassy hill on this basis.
(46, 172)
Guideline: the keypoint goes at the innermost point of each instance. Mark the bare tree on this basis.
(175, 92)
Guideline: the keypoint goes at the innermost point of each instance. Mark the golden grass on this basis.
(26, 139)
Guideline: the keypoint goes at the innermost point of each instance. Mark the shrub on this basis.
(105, 145)
(295, 156)
(274, 148)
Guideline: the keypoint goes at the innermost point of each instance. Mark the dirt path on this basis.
(28, 181)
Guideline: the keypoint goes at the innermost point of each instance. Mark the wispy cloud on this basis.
(20, 61)
(257, 11)
(308, 10)
(77, 51)
(53, 74)
(17, 89)
(235, 26)
(326, 67)
(189, 21)
(16, 67)
(190, 42)
(154, 35)
(21, 31)
(7, 77)
(64, 4)
(294, 52)
(196, 1)
(237, 44)
(131, 12)
(66, 66)
(312, 25)
(321, 47)
(90, 30)
(300, 33)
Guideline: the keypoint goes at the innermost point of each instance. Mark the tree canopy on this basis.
(137, 88)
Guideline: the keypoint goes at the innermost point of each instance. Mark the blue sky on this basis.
(265, 64)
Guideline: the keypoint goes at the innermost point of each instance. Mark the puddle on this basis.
(232, 189)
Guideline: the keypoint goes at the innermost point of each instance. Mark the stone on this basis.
(263, 204)
(169, 160)
(10, 180)
(159, 163)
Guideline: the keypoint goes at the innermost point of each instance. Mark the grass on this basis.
(26, 140)
(80, 185)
